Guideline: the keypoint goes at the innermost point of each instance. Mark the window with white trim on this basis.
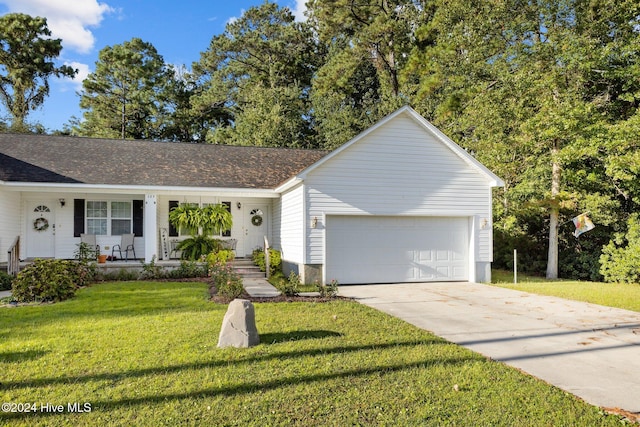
(96, 217)
(109, 218)
(121, 218)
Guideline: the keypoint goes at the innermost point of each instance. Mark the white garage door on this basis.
(376, 249)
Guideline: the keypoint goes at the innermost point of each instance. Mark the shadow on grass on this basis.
(21, 356)
(161, 370)
(274, 338)
(251, 387)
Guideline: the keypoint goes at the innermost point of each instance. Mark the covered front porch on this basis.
(48, 224)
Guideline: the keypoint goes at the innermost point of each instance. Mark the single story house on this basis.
(400, 202)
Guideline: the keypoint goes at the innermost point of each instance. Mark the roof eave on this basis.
(146, 189)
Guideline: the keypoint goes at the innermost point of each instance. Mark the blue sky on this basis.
(179, 30)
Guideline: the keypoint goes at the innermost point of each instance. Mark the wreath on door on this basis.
(256, 220)
(41, 224)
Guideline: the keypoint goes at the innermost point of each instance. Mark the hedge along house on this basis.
(398, 203)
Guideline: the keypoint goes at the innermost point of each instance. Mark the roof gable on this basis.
(62, 159)
(427, 127)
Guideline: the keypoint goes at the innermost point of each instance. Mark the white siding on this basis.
(291, 225)
(398, 169)
(10, 218)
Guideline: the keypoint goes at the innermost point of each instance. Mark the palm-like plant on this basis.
(201, 223)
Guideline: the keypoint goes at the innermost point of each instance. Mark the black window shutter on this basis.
(172, 230)
(138, 217)
(78, 217)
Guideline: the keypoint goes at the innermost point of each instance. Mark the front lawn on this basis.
(620, 295)
(144, 353)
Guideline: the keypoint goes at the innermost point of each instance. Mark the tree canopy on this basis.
(26, 64)
(545, 93)
(126, 96)
(255, 80)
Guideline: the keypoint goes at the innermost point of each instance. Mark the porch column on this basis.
(150, 227)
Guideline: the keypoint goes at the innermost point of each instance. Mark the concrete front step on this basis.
(247, 269)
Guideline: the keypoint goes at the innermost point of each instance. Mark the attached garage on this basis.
(387, 249)
(400, 202)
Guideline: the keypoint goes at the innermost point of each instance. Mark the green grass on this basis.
(620, 295)
(145, 354)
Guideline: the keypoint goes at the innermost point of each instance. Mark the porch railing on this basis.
(13, 261)
(266, 256)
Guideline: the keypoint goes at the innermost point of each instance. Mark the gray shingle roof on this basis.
(62, 159)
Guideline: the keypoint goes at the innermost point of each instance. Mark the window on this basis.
(97, 218)
(120, 218)
(109, 218)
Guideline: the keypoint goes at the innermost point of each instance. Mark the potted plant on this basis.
(201, 223)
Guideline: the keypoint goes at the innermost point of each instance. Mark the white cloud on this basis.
(83, 72)
(67, 20)
(233, 19)
(299, 9)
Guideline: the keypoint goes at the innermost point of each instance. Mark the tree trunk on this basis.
(554, 211)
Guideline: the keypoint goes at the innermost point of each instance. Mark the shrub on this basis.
(227, 282)
(290, 287)
(152, 271)
(329, 290)
(620, 259)
(194, 247)
(223, 256)
(275, 260)
(85, 252)
(50, 280)
(5, 281)
(122, 275)
(188, 269)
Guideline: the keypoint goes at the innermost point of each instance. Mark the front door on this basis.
(255, 227)
(41, 230)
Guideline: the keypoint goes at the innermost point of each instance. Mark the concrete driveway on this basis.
(586, 349)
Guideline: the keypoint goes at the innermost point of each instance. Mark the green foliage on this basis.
(330, 290)
(211, 219)
(291, 286)
(256, 78)
(207, 220)
(151, 270)
(275, 260)
(84, 252)
(620, 260)
(221, 256)
(125, 97)
(359, 80)
(27, 54)
(5, 281)
(188, 269)
(50, 280)
(227, 282)
(195, 247)
(122, 275)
